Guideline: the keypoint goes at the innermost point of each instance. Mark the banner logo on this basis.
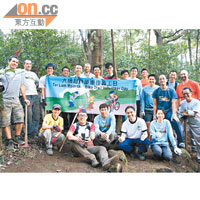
(29, 14)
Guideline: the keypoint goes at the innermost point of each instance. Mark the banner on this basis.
(73, 93)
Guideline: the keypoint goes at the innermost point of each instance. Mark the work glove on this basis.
(154, 117)
(56, 128)
(144, 136)
(53, 140)
(1, 88)
(43, 103)
(158, 134)
(174, 117)
(142, 114)
(177, 151)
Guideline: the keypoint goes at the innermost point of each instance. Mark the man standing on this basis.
(87, 73)
(190, 107)
(65, 71)
(165, 98)
(97, 72)
(134, 133)
(134, 72)
(78, 70)
(172, 83)
(82, 134)
(125, 74)
(33, 111)
(13, 82)
(49, 70)
(51, 130)
(144, 79)
(194, 86)
(147, 100)
(109, 70)
(105, 127)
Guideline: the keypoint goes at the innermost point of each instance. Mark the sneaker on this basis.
(132, 155)
(110, 161)
(18, 140)
(49, 151)
(181, 145)
(141, 156)
(10, 145)
(94, 163)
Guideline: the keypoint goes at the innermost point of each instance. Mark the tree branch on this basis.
(168, 36)
(173, 39)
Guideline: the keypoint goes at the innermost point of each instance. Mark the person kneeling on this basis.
(82, 134)
(134, 133)
(160, 132)
(52, 127)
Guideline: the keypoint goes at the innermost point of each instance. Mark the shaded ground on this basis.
(35, 159)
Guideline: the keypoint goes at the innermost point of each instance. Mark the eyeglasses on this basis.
(184, 94)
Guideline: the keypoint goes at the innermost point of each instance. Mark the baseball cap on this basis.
(56, 106)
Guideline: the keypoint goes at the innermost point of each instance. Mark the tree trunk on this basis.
(159, 39)
(197, 47)
(149, 49)
(131, 44)
(189, 47)
(113, 53)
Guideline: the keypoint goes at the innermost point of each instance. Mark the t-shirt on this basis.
(138, 88)
(42, 81)
(110, 77)
(134, 130)
(144, 82)
(106, 125)
(147, 100)
(82, 129)
(166, 132)
(194, 86)
(12, 81)
(83, 75)
(193, 105)
(30, 82)
(164, 98)
(50, 121)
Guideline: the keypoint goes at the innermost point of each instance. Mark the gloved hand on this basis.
(1, 88)
(142, 114)
(174, 117)
(154, 117)
(177, 151)
(53, 140)
(158, 134)
(56, 128)
(43, 103)
(144, 136)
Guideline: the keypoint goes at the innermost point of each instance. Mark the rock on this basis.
(166, 169)
(185, 153)
(117, 167)
(120, 153)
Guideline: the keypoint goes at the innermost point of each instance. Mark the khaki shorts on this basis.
(13, 109)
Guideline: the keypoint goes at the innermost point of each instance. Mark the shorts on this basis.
(13, 109)
(148, 116)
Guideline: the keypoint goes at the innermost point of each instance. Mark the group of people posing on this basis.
(154, 121)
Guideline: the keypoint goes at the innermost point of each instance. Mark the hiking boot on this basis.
(110, 161)
(141, 156)
(49, 151)
(18, 140)
(132, 155)
(94, 163)
(10, 145)
(181, 145)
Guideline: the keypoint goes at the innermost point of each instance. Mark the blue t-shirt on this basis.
(147, 100)
(106, 125)
(164, 98)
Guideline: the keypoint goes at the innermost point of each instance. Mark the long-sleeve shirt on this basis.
(106, 125)
(147, 100)
(166, 133)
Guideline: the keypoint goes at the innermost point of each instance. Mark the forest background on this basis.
(158, 50)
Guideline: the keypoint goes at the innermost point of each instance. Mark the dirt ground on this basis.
(34, 159)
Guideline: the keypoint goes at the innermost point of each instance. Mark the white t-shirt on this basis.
(42, 81)
(135, 129)
(30, 79)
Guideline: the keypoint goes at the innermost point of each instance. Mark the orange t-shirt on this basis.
(144, 82)
(193, 85)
